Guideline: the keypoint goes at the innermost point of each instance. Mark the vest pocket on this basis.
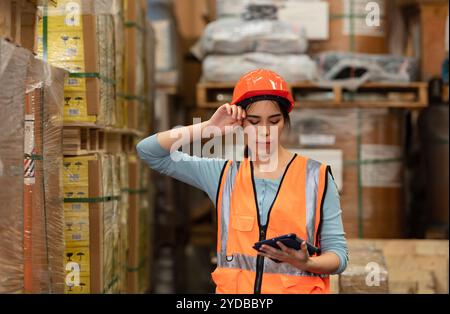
(282, 226)
(242, 223)
(226, 280)
(301, 285)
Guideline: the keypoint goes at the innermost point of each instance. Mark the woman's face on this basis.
(263, 126)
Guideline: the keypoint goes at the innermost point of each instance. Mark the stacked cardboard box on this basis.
(43, 159)
(93, 230)
(65, 36)
(119, 47)
(135, 37)
(366, 271)
(30, 169)
(111, 224)
(349, 29)
(123, 221)
(134, 259)
(140, 217)
(368, 169)
(94, 223)
(17, 22)
(146, 226)
(64, 40)
(396, 266)
(146, 111)
(14, 62)
(81, 183)
(79, 245)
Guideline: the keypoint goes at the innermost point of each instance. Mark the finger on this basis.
(234, 112)
(228, 108)
(264, 254)
(239, 113)
(261, 253)
(304, 248)
(244, 114)
(284, 248)
(272, 251)
(271, 256)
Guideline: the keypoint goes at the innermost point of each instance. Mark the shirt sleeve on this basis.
(202, 173)
(332, 237)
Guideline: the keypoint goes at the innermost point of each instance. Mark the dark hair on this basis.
(284, 112)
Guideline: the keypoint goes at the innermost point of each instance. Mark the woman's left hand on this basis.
(296, 258)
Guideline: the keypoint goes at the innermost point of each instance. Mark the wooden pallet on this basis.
(85, 140)
(309, 95)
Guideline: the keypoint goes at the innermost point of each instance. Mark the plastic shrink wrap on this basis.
(229, 68)
(31, 110)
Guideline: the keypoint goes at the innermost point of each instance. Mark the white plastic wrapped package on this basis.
(235, 36)
(226, 8)
(229, 68)
(354, 69)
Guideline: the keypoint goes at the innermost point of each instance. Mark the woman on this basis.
(271, 192)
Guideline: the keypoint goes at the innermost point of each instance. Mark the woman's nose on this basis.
(264, 130)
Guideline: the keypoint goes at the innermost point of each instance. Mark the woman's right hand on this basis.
(227, 115)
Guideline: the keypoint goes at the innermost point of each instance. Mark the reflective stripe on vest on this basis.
(312, 178)
(243, 234)
(246, 262)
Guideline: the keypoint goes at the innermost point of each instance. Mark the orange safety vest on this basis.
(296, 209)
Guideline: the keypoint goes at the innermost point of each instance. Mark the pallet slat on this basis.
(310, 95)
(82, 141)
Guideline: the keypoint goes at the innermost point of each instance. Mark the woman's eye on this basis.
(253, 122)
(275, 122)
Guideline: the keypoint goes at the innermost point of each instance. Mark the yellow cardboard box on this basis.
(80, 256)
(75, 84)
(82, 288)
(74, 191)
(76, 230)
(76, 173)
(75, 209)
(61, 21)
(64, 47)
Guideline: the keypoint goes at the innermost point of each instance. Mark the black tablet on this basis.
(290, 240)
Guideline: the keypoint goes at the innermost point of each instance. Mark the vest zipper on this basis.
(262, 236)
(259, 263)
(263, 229)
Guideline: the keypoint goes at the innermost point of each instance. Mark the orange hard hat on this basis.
(262, 85)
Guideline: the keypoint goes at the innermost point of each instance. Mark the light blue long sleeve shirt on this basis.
(204, 174)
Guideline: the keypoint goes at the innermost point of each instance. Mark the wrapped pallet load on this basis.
(355, 69)
(32, 238)
(233, 46)
(163, 21)
(140, 215)
(234, 36)
(229, 68)
(65, 36)
(13, 70)
(342, 25)
(135, 32)
(368, 168)
(238, 8)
